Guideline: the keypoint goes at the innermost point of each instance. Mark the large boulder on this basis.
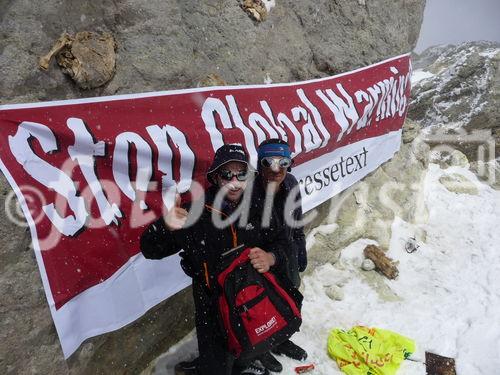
(163, 45)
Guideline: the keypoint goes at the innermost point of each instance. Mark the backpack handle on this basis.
(230, 251)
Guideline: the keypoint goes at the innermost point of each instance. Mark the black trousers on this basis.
(214, 358)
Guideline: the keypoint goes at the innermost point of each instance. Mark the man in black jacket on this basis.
(275, 186)
(218, 229)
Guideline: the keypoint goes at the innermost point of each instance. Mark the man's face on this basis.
(274, 173)
(228, 182)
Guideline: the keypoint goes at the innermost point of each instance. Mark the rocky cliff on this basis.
(163, 45)
(455, 95)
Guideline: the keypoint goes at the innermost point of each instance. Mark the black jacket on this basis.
(203, 243)
(296, 249)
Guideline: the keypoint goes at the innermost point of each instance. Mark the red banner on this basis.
(91, 173)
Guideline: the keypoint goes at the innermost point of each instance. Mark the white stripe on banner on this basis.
(138, 286)
(346, 165)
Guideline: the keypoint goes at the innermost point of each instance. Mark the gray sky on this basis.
(454, 21)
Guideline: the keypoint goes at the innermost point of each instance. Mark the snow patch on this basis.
(419, 75)
(490, 53)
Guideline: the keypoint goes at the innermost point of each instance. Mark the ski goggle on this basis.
(270, 161)
(228, 175)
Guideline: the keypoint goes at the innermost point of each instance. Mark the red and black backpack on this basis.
(258, 310)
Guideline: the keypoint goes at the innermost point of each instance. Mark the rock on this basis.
(212, 80)
(166, 45)
(459, 159)
(459, 184)
(461, 98)
(367, 265)
(172, 44)
(334, 292)
(329, 252)
(411, 130)
(449, 158)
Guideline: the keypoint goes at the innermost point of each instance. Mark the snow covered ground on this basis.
(446, 297)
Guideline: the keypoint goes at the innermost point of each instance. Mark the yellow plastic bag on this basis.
(369, 351)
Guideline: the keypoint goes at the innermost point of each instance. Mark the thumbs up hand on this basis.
(176, 217)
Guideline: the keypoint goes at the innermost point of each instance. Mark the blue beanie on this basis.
(274, 149)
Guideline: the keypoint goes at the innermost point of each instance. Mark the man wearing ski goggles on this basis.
(274, 163)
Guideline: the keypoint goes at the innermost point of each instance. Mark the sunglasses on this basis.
(269, 161)
(228, 175)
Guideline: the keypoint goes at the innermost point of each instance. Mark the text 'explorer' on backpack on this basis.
(259, 311)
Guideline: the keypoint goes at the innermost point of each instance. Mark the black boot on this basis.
(270, 362)
(291, 350)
